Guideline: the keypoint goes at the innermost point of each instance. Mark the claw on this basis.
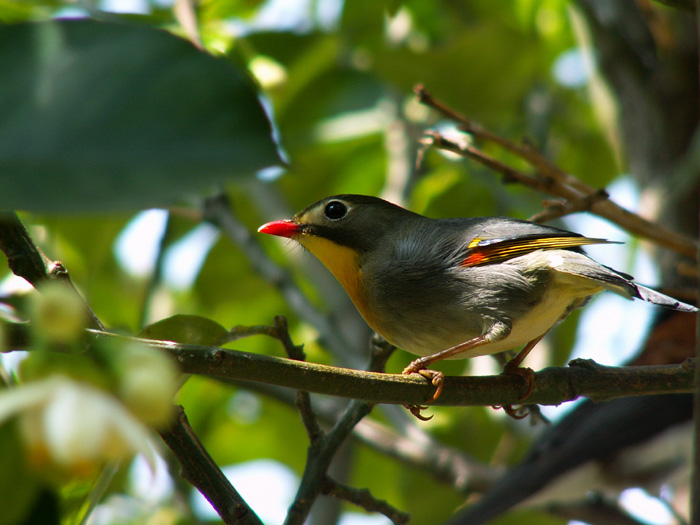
(513, 412)
(436, 378)
(527, 374)
(416, 411)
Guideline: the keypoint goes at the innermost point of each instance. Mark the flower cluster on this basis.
(81, 402)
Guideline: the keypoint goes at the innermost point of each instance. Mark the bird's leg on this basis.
(513, 367)
(437, 378)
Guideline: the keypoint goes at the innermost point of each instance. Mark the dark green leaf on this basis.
(19, 489)
(187, 329)
(97, 116)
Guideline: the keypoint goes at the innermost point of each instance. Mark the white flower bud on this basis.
(74, 426)
(58, 314)
(148, 383)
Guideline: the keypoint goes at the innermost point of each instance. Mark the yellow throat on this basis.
(341, 261)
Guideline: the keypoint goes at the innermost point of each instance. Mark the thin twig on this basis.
(447, 464)
(320, 455)
(323, 446)
(363, 498)
(303, 402)
(551, 179)
(279, 331)
(557, 209)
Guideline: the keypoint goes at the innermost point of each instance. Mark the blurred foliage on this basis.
(129, 144)
(339, 88)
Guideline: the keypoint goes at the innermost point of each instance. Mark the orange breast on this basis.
(343, 263)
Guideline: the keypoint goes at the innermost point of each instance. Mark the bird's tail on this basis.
(618, 282)
(652, 296)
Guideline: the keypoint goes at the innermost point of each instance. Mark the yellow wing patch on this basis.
(489, 251)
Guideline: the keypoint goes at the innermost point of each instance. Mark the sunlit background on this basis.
(268, 485)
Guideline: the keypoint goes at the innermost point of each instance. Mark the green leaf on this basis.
(19, 489)
(187, 329)
(218, 9)
(97, 116)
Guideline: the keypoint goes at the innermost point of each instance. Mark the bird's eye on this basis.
(335, 210)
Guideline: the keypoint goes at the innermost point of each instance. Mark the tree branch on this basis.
(363, 498)
(201, 471)
(596, 510)
(447, 464)
(321, 451)
(26, 260)
(550, 179)
(323, 446)
(553, 386)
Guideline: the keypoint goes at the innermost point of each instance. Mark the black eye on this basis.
(335, 210)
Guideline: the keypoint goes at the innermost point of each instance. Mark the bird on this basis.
(455, 288)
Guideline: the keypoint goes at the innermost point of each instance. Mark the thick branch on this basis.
(553, 386)
(26, 260)
(201, 471)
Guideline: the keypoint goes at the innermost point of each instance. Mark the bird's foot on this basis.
(436, 378)
(516, 412)
(528, 375)
(522, 411)
(416, 410)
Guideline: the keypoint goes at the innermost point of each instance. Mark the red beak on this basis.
(285, 228)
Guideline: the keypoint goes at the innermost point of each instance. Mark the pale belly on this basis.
(537, 322)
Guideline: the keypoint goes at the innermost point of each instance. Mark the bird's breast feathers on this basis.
(344, 264)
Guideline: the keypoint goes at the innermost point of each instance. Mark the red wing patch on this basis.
(489, 251)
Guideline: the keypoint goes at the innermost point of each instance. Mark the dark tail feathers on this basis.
(652, 296)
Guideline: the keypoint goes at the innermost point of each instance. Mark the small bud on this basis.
(148, 381)
(58, 314)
